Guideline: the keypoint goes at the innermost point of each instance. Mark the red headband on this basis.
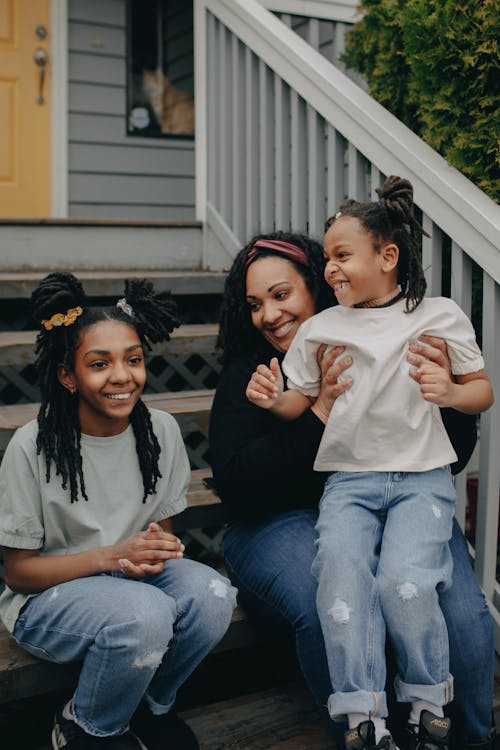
(286, 249)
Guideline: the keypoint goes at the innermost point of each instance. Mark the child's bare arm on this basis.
(141, 554)
(266, 389)
(470, 394)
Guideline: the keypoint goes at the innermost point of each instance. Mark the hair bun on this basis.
(396, 196)
(156, 314)
(56, 293)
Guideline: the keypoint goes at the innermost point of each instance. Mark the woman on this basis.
(263, 473)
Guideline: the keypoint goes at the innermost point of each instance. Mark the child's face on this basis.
(355, 270)
(109, 376)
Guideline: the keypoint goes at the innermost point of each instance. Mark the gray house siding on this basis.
(112, 174)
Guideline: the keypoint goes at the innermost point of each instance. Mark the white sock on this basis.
(67, 711)
(380, 728)
(356, 719)
(378, 723)
(418, 706)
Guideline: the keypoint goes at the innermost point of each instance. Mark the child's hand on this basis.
(146, 552)
(435, 383)
(266, 385)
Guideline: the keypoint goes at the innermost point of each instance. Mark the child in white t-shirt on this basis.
(386, 513)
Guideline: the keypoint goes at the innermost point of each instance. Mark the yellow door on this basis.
(24, 108)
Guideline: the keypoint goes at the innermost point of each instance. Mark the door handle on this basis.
(41, 59)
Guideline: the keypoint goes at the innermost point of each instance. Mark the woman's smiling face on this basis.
(278, 298)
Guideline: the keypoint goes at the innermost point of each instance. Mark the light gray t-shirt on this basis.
(35, 514)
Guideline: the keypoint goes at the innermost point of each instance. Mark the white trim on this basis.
(333, 10)
(200, 98)
(222, 231)
(59, 108)
(457, 206)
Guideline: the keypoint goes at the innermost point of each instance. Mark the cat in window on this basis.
(173, 108)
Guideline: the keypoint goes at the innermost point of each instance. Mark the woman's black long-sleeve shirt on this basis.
(264, 465)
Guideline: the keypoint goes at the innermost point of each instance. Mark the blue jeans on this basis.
(382, 554)
(136, 638)
(270, 563)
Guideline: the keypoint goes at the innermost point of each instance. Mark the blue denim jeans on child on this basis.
(136, 638)
(270, 563)
(382, 557)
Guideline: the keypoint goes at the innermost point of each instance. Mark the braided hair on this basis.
(237, 334)
(391, 220)
(59, 434)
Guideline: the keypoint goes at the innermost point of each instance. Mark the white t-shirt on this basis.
(382, 423)
(35, 514)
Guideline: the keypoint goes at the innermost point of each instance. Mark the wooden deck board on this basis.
(187, 407)
(18, 347)
(283, 718)
(20, 284)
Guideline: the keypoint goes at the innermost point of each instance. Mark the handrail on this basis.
(461, 209)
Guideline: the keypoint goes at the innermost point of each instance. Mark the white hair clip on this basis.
(125, 307)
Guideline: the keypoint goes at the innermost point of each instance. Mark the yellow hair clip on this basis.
(62, 319)
(338, 214)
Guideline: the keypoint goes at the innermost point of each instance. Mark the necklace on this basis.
(385, 301)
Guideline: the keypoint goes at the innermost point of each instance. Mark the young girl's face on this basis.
(109, 376)
(354, 269)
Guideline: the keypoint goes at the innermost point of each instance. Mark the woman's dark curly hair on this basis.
(59, 433)
(237, 334)
(391, 219)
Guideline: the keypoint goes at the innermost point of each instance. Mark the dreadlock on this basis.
(59, 434)
(391, 219)
(237, 335)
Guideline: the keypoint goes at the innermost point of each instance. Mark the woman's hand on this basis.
(428, 349)
(331, 388)
(431, 369)
(146, 552)
(266, 385)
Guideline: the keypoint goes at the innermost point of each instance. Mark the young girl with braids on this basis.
(93, 571)
(387, 509)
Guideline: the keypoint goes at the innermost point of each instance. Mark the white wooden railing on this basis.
(283, 136)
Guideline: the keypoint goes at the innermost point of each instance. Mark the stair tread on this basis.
(13, 416)
(18, 347)
(20, 284)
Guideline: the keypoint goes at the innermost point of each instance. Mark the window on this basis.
(160, 76)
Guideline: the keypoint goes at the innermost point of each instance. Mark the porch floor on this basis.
(281, 718)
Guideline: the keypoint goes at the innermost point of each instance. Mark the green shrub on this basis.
(435, 64)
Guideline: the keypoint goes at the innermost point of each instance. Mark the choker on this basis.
(386, 301)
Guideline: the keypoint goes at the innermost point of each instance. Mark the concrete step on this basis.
(65, 244)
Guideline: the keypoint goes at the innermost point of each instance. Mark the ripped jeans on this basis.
(382, 555)
(136, 638)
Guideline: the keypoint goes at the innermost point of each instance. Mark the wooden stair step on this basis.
(187, 407)
(18, 347)
(279, 718)
(23, 675)
(20, 284)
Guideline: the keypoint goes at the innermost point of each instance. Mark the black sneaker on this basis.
(433, 733)
(163, 731)
(67, 735)
(363, 738)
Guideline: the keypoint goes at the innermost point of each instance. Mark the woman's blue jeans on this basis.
(270, 563)
(382, 556)
(136, 638)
